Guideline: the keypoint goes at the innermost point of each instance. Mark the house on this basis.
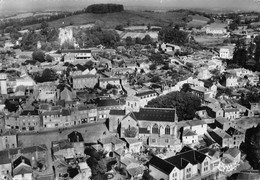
(105, 105)
(84, 81)
(8, 140)
(111, 144)
(199, 127)
(202, 92)
(29, 120)
(22, 169)
(214, 110)
(189, 137)
(85, 171)
(63, 149)
(185, 165)
(222, 123)
(20, 90)
(79, 56)
(83, 114)
(255, 107)
(214, 156)
(103, 82)
(145, 97)
(231, 80)
(47, 92)
(115, 117)
(5, 165)
(167, 47)
(221, 137)
(132, 104)
(231, 113)
(133, 145)
(238, 137)
(56, 118)
(233, 154)
(226, 52)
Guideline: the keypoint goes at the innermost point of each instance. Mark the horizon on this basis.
(13, 6)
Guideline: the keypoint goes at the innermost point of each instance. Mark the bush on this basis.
(104, 8)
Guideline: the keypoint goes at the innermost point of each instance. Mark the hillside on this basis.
(113, 19)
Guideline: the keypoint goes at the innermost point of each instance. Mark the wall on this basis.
(156, 174)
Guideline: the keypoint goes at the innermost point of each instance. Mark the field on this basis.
(209, 40)
(126, 17)
(197, 21)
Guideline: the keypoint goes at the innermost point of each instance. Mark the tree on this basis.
(149, 26)
(49, 58)
(138, 40)
(38, 55)
(152, 66)
(186, 104)
(185, 88)
(119, 27)
(147, 40)
(173, 35)
(47, 75)
(130, 132)
(129, 41)
(155, 79)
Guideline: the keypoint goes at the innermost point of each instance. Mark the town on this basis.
(144, 99)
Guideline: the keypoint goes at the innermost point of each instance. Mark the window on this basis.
(153, 140)
(166, 140)
(167, 130)
(155, 129)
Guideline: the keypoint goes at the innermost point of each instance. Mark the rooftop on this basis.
(155, 114)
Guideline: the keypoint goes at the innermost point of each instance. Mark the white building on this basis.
(226, 52)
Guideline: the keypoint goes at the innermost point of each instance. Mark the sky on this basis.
(27, 5)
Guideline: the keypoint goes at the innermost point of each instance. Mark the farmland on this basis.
(124, 18)
(197, 21)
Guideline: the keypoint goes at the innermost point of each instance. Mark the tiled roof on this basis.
(232, 131)
(161, 164)
(196, 122)
(111, 139)
(188, 132)
(21, 159)
(117, 112)
(181, 160)
(65, 112)
(22, 170)
(145, 93)
(85, 76)
(29, 113)
(51, 113)
(231, 110)
(155, 114)
(233, 152)
(76, 51)
(62, 144)
(4, 157)
(107, 102)
(109, 79)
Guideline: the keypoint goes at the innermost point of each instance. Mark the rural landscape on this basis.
(129, 90)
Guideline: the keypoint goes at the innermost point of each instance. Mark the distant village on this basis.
(144, 107)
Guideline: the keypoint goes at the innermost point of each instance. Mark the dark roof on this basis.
(80, 67)
(29, 113)
(21, 159)
(117, 112)
(75, 136)
(107, 102)
(233, 152)
(155, 114)
(62, 144)
(76, 51)
(232, 131)
(181, 160)
(4, 157)
(144, 131)
(161, 164)
(65, 112)
(145, 93)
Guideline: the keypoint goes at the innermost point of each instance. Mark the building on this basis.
(115, 117)
(231, 81)
(216, 29)
(63, 149)
(56, 118)
(226, 52)
(47, 92)
(84, 81)
(233, 154)
(238, 137)
(202, 92)
(22, 169)
(103, 82)
(105, 105)
(8, 140)
(145, 97)
(76, 56)
(111, 144)
(231, 113)
(83, 114)
(199, 127)
(133, 145)
(5, 165)
(221, 137)
(29, 120)
(132, 104)
(170, 47)
(159, 125)
(3, 84)
(185, 165)
(189, 137)
(65, 34)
